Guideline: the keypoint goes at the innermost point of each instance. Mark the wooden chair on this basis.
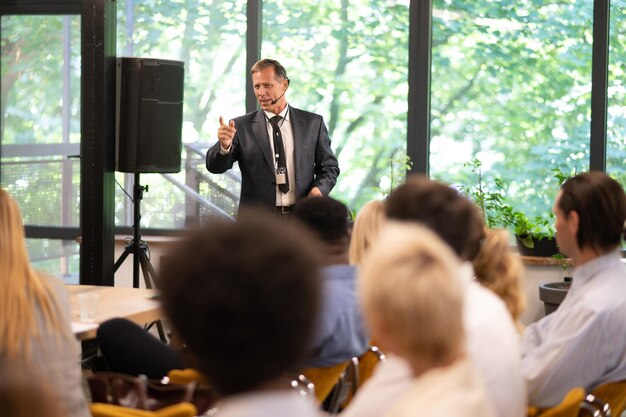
(614, 394)
(324, 379)
(594, 407)
(110, 410)
(303, 385)
(368, 362)
(185, 376)
(569, 406)
(344, 389)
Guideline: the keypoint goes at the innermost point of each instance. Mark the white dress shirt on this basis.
(583, 343)
(449, 391)
(492, 344)
(286, 131)
(287, 403)
(287, 134)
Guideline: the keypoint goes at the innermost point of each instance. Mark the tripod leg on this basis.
(150, 277)
(122, 258)
(147, 269)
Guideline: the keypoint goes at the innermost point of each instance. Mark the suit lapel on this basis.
(297, 128)
(259, 128)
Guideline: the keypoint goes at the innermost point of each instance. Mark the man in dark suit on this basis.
(284, 153)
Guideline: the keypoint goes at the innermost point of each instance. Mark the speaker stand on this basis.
(139, 249)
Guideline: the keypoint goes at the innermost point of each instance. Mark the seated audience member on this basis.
(492, 343)
(129, 349)
(420, 289)
(583, 343)
(365, 230)
(24, 393)
(244, 297)
(341, 332)
(499, 269)
(35, 317)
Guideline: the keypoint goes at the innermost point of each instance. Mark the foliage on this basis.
(497, 212)
(511, 86)
(399, 164)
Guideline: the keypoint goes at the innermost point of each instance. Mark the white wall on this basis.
(124, 275)
(534, 276)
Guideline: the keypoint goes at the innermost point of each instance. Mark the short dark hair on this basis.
(244, 298)
(279, 70)
(325, 216)
(441, 208)
(600, 203)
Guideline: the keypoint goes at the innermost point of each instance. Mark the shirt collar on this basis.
(590, 269)
(284, 114)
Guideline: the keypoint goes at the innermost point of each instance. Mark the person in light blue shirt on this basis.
(583, 343)
(341, 332)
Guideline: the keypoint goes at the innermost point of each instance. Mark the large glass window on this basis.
(616, 115)
(511, 87)
(40, 116)
(209, 37)
(347, 60)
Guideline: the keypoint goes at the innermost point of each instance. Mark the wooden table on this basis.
(135, 304)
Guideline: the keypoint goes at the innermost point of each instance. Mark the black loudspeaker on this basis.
(149, 115)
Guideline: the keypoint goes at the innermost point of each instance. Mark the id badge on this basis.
(281, 177)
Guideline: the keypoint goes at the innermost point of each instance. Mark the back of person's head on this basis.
(325, 216)
(499, 269)
(365, 229)
(244, 297)
(441, 208)
(25, 393)
(412, 296)
(600, 203)
(22, 292)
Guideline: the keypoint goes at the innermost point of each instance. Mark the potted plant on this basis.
(534, 236)
(553, 293)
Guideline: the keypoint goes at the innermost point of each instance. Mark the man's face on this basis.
(267, 88)
(566, 230)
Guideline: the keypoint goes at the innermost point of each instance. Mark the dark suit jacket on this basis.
(315, 163)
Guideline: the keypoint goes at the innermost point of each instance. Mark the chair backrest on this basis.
(185, 376)
(325, 378)
(303, 385)
(614, 394)
(111, 410)
(594, 407)
(345, 389)
(569, 407)
(368, 362)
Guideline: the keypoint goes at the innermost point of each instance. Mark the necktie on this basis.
(279, 150)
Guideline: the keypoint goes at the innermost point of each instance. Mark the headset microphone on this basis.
(281, 96)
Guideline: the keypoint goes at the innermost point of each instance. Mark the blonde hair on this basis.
(409, 285)
(499, 269)
(25, 392)
(365, 230)
(22, 291)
